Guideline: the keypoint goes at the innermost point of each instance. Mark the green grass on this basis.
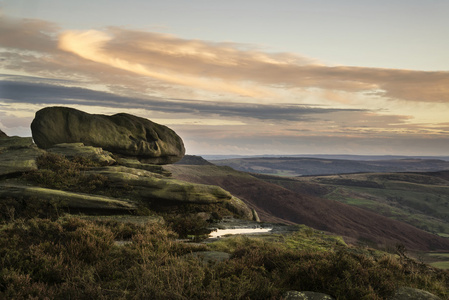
(425, 208)
(439, 260)
(441, 265)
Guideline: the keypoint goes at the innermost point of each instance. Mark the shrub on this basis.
(188, 225)
(79, 259)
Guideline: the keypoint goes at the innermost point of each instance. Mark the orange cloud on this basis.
(92, 45)
(236, 69)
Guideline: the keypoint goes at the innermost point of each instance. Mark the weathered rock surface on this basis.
(131, 179)
(78, 149)
(152, 187)
(121, 133)
(408, 293)
(66, 199)
(18, 155)
(2, 134)
(295, 295)
(143, 183)
(136, 164)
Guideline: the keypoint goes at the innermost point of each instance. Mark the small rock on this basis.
(295, 295)
(408, 293)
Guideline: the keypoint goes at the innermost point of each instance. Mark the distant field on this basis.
(442, 260)
(419, 199)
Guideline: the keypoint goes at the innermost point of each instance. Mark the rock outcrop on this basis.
(2, 134)
(18, 155)
(153, 188)
(122, 134)
(64, 199)
(116, 175)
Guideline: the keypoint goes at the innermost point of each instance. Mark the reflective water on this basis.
(222, 232)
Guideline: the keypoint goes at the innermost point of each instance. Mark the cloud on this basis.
(39, 92)
(169, 66)
(28, 34)
(92, 45)
(249, 72)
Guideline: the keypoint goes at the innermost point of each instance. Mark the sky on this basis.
(247, 77)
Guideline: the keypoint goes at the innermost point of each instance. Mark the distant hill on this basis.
(328, 156)
(301, 166)
(193, 160)
(420, 199)
(275, 203)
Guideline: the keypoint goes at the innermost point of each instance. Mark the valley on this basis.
(372, 209)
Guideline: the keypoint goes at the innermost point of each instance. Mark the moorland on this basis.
(79, 222)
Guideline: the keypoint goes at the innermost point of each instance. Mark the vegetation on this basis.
(58, 172)
(72, 258)
(297, 166)
(419, 199)
(47, 254)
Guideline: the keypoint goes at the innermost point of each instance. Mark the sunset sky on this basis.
(247, 77)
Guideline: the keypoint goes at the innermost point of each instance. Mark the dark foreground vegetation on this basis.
(72, 258)
(47, 253)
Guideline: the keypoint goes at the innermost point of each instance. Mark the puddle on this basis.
(221, 232)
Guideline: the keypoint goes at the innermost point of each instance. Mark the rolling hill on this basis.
(275, 203)
(419, 199)
(300, 166)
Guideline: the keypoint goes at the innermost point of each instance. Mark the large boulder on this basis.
(122, 133)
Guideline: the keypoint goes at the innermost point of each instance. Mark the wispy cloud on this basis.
(229, 68)
(145, 60)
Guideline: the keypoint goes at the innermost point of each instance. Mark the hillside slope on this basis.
(420, 199)
(274, 203)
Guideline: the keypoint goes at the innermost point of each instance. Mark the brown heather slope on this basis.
(275, 203)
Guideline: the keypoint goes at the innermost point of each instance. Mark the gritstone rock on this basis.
(122, 134)
(295, 295)
(18, 155)
(2, 134)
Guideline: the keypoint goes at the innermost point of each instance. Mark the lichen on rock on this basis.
(121, 133)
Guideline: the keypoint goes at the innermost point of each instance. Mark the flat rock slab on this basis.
(18, 155)
(66, 199)
(139, 220)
